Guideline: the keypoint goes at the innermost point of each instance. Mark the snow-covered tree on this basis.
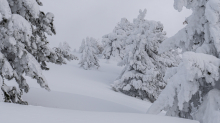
(82, 46)
(64, 51)
(145, 68)
(64, 46)
(193, 89)
(89, 52)
(114, 43)
(24, 49)
(99, 46)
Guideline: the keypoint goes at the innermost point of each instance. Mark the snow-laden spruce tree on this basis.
(145, 68)
(114, 43)
(64, 51)
(89, 51)
(193, 89)
(24, 49)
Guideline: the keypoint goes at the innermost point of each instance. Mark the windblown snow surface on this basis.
(80, 96)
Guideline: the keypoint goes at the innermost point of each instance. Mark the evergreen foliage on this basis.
(24, 48)
(193, 87)
(89, 51)
(145, 67)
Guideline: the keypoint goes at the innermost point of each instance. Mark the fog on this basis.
(77, 19)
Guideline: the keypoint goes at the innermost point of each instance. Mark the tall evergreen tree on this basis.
(193, 87)
(145, 68)
(24, 48)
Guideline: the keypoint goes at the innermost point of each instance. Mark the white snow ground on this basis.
(80, 96)
(11, 113)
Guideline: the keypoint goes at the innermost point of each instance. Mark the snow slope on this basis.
(11, 113)
(80, 84)
(73, 101)
(81, 96)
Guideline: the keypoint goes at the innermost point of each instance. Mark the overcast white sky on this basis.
(77, 19)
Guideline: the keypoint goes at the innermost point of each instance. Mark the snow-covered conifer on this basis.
(24, 49)
(82, 46)
(64, 46)
(64, 52)
(89, 51)
(114, 43)
(193, 87)
(145, 68)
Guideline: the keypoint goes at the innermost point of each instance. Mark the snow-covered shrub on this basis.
(193, 88)
(89, 51)
(115, 42)
(145, 68)
(24, 49)
(64, 51)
